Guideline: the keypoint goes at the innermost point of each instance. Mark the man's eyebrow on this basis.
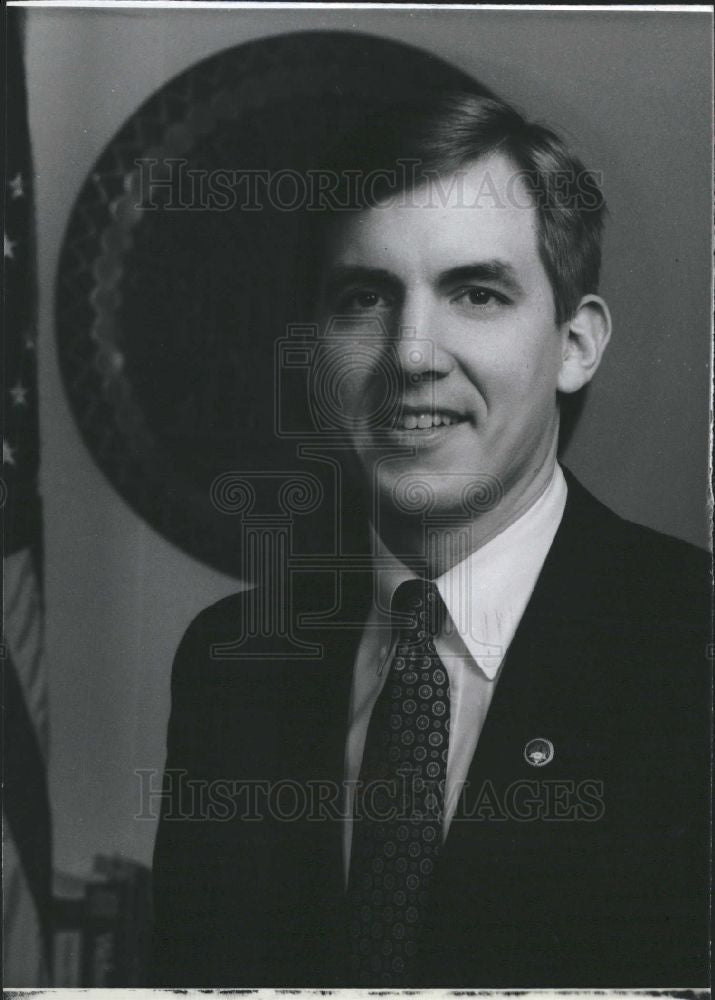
(345, 274)
(483, 270)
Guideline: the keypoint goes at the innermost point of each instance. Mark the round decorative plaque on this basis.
(178, 276)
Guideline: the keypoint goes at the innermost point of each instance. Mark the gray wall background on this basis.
(632, 91)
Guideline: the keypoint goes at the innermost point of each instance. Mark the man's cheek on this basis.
(339, 383)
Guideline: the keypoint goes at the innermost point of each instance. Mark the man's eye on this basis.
(362, 301)
(479, 297)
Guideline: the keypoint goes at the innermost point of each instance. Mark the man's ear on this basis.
(586, 337)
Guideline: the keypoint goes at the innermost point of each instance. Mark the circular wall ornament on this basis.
(181, 270)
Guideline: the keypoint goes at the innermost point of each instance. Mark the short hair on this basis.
(445, 134)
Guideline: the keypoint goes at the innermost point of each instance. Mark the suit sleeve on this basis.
(213, 870)
(183, 875)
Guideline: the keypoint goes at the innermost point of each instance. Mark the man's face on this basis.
(447, 352)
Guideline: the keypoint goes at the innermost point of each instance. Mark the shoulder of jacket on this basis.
(674, 573)
(665, 578)
(219, 625)
(221, 616)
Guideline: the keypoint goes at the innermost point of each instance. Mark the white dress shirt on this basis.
(485, 595)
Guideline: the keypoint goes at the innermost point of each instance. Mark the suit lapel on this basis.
(324, 684)
(316, 711)
(556, 651)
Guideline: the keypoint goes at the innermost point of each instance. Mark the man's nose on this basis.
(418, 350)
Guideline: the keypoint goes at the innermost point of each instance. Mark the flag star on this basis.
(19, 394)
(8, 453)
(9, 246)
(16, 187)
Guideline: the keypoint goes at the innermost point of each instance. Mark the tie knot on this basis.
(416, 604)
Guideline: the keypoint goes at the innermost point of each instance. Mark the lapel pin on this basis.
(539, 752)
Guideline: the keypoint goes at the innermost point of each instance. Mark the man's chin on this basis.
(438, 491)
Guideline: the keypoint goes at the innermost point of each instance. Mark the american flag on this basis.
(27, 854)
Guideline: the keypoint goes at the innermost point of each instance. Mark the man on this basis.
(513, 699)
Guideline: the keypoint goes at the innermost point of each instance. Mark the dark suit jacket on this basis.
(604, 884)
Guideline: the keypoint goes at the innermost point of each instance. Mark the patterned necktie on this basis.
(399, 804)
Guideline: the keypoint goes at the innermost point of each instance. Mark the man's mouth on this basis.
(425, 420)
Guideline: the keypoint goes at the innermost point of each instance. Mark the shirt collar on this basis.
(487, 592)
